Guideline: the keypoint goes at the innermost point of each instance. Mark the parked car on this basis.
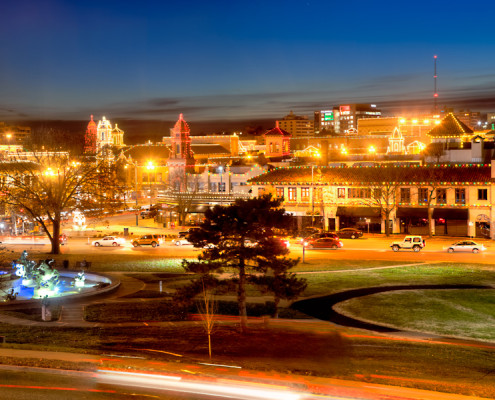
(466, 245)
(181, 241)
(108, 241)
(148, 240)
(324, 243)
(415, 243)
(319, 235)
(183, 234)
(350, 233)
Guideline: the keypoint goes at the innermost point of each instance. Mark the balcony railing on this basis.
(203, 197)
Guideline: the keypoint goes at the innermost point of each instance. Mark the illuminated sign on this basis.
(328, 116)
(345, 108)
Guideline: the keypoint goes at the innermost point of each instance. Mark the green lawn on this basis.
(427, 274)
(468, 313)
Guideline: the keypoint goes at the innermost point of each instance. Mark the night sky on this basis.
(228, 60)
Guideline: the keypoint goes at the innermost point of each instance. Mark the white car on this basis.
(181, 241)
(466, 245)
(108, 241)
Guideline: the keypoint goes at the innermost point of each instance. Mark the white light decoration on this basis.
(79, 221)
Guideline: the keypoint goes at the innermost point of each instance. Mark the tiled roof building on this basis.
(458, 197)
(365, 175)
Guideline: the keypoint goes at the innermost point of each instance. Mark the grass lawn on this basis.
(468, 313)
(427, 274)
(465, 370)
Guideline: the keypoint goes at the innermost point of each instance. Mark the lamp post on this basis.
(134, 164)
(312, 197)
(150, 167)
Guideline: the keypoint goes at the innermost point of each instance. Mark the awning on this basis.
(451, 213)
(408, 212)
(362, 212)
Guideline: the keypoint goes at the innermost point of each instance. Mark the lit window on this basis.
(460, 196)
(292, 191)
(304, 193)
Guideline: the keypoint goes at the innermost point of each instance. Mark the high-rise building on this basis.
(297, 125)
(347, 116)
(343, 119)
(324, 121)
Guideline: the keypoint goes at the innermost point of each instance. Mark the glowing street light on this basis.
(49, 172)
(134, 164)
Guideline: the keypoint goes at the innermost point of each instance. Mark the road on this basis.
(22, 383)
(373, 248)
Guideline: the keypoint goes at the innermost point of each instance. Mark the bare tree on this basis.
(48, 183)
(382, 191)
(207, 308)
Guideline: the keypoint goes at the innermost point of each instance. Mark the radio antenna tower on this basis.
(435, 93)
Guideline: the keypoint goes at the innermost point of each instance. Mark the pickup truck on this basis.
(415, 243)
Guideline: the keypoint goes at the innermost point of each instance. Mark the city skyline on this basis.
(229, 61)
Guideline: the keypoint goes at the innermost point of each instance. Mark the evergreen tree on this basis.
(241, 247)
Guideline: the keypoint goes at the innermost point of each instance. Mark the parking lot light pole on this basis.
(135, 188)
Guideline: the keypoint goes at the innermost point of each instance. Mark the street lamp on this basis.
(150, 167)
(134, 164)
(312, 197)
(372, 151)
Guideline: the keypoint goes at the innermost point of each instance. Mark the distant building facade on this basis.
(100, 135)
(297, 125)
(13, 134)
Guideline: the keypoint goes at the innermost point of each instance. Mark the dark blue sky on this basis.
(238, 59)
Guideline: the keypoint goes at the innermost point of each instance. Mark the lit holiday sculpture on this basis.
(43, 277)
(79, 280)
(25, 268)
(46, 281)
(79, 221)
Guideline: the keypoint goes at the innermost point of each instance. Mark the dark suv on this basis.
(148, 240)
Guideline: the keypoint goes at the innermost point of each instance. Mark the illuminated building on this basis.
(90, 137)
(296, 125)
(277, 142)
(181, 157)
(344, 118)
(101, 135)
(461, 197)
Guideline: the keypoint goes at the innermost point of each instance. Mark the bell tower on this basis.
(181, 157)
